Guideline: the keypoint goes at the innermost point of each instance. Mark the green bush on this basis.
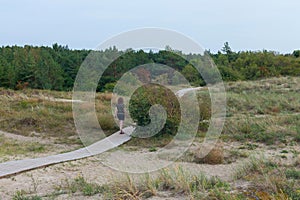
(109, 87)
(149, 95)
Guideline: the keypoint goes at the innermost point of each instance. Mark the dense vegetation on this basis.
(147, 96)
(56, 67)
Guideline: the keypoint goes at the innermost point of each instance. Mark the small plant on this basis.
(21, 195)
(284, 151)
(297, 136)
(253, 164)
(36, 147)
(87, 189)
(251, 146)
(35, 183)
(152, 149)
(283, 157)
(292, 174)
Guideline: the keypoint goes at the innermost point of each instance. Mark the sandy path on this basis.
(27, 138)
(182, 92)
(63, 100)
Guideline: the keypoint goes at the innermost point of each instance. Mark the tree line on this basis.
(55, 67)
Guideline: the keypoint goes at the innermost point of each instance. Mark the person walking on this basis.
(120, 113)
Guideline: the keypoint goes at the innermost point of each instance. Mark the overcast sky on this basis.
(246, 25)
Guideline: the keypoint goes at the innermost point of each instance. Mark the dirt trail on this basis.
(27, 138)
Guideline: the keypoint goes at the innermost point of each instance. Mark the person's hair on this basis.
(120, 100)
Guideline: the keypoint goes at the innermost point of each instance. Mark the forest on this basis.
(55, 67)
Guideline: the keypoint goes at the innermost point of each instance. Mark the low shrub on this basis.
(149, 95)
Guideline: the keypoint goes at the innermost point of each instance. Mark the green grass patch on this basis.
(13, 147)
(21, 195)
(292, 174)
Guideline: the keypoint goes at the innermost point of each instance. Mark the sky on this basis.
(84, 24)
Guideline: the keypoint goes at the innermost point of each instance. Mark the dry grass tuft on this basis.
(214, 157)
(104, 96)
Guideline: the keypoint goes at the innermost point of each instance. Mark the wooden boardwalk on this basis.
(15, 167)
